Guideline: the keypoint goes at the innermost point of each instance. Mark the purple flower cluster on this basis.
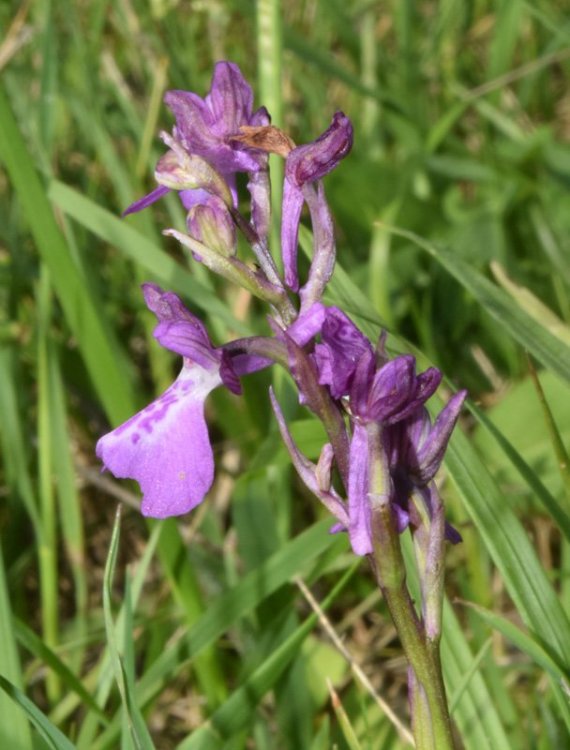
(372, 407)
(373, 390)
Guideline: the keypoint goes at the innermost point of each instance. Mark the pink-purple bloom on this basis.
(413, 450)
(166, 447)
(339, 352)
(372, 406)
(375, 473)
(204, 128)
(375, 390)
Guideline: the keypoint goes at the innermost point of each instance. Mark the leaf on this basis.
(510, 548)
(524, 642)
(136, 724)
(14, 729)
(225, 611)
(236, 712)
(139, 248)
(530, 303)
(32, 643)
(99, 348)
(548, 349)
(50, 733)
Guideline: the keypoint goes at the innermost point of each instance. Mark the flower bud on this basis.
(179, 170)
(313, 161)
(211, 224)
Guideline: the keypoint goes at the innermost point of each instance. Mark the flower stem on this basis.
(431, 722)
(267, 265)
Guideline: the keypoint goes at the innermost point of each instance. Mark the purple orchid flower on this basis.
(391, 392)
(376, 392)
(413, 451)
(378, 389)
(166, 447)
(416, 447)
(205, 126)
(304, 165)
(203, 132)
(341, 348)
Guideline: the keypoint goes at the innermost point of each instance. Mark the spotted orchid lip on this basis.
(166, 447)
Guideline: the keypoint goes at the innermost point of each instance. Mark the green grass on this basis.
(192, 634)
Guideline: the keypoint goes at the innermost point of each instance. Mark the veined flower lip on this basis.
(152, 446)
(165, 447)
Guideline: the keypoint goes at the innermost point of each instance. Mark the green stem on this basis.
(266, 263)
(423, 657)
(238, 273)
(48, 538)
(422, 654)
(270, 69)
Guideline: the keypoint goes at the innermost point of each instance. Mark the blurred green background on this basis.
(453, 232)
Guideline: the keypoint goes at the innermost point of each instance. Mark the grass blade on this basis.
(548, 349)
(139, 732)
(235, 714)
(131, 243)
(14, 729)
(50, 733)
(510, 549)
(97, 344)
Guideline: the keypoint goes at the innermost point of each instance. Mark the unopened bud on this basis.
(179, 170)
(211, 224)
(313, 161)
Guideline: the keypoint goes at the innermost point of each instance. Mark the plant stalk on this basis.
(431, 723)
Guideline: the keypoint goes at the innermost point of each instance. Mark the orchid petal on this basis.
(432, 451)
(338, 356)
(313, 161)
(362, 377)
(183, 338)
(193, 121)
(168, 305)
(359, 513)
(166, 448)
(426, 384)
(230, 99)
(146, 200)
(194, 197)
(179, 330)
(324, 250)
(259, 187)
(291, 217)
(308, 324)
(312, 476)
(228, 374)
(391, 389)
(211, 223)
